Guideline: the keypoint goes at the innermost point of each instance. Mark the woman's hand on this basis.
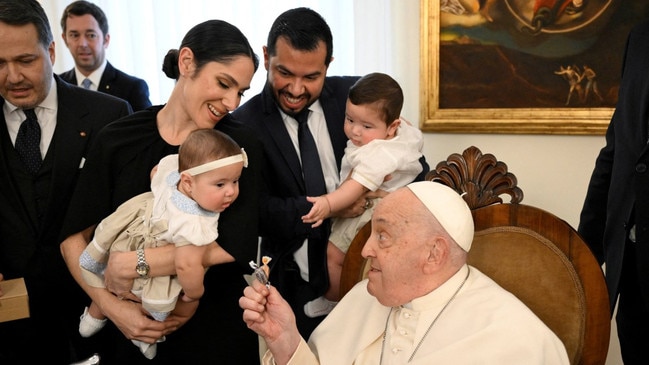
(132, 320)
(120, 269)
(116, 276)
(180, 315)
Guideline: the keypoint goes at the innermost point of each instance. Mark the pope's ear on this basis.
(437, 251)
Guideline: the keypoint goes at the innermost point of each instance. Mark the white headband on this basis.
(448, 207)
(213, 165)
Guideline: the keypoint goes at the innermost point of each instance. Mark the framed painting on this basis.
(523, 66)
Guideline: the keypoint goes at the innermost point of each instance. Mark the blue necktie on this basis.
(311, 167)
(86, 83)
(28, 142)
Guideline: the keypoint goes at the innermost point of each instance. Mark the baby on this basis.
(188, 191)
(382, 154)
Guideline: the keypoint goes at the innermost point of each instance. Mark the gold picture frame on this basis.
(536, 120)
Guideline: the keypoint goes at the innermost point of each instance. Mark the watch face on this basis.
(142, 269)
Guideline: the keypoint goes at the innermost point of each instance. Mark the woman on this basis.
(213, 67)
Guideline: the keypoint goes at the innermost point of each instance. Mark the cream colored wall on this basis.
(552, 170)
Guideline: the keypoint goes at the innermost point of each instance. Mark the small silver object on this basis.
(261, 271)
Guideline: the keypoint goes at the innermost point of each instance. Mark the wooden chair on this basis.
(528, 251)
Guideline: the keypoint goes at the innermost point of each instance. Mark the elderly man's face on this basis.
(396, 250)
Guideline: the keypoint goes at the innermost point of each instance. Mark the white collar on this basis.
(440, 294)
(95, 76)
(316, 107)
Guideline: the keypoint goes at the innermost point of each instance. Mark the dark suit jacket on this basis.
(29, 246)
(620, 180)
(117, 83)
(284, 197)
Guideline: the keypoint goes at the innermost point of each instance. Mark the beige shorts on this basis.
(343, 230)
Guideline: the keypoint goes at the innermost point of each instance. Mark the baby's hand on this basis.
(318, 212)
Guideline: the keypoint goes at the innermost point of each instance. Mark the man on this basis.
(85, 33)
(297, 55)
(46, 130)
(421, 303)
(615, 217)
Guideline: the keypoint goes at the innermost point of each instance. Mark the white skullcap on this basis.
(449, 209)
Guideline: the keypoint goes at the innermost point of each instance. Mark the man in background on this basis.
(85, 33)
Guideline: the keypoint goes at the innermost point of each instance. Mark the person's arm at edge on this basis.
(593, 216)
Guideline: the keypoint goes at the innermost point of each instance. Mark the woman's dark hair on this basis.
(213, 40)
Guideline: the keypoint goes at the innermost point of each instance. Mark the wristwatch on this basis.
(142, 267)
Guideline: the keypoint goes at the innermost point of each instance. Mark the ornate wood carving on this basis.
(482, 177)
